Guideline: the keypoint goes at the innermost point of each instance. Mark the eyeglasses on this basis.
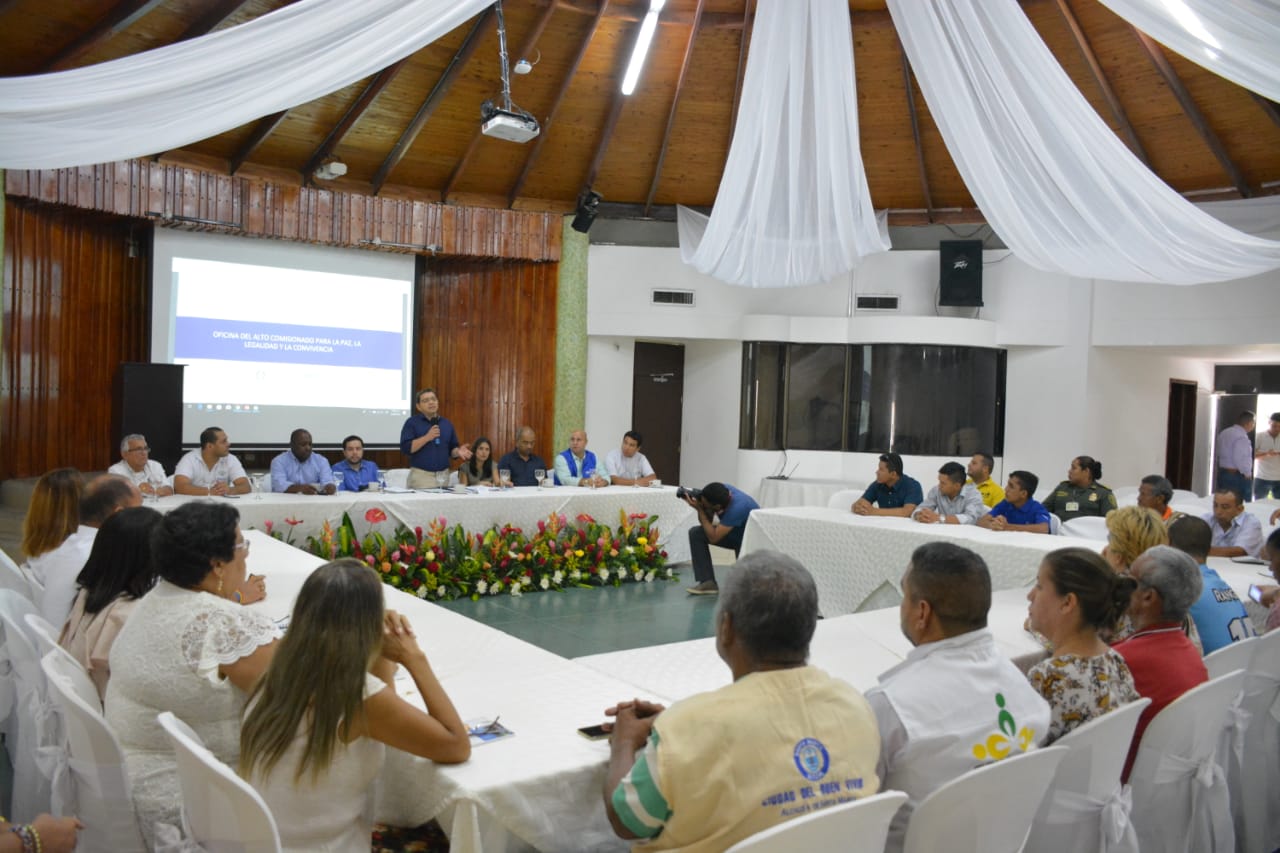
(485, 728)
(143, 449)
(243, 546)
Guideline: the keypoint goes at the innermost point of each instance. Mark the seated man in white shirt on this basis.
(952, 501)
(956, 702)
(782, 740)
(298, 471)
(628, 466)
(136, 464)
(210, 469)
(102, 498)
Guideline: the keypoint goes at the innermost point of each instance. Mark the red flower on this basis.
(293, 522)
(637, 515)
(374, 516)
(417, 531)
(267, 525)
(542, 561)
(434, 568)
(542, 527)
(416, 583)
(585, 519)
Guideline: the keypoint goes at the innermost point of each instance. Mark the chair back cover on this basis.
(101, 797)
(844, 498)
(44, 635)
(1126, 495)
(859, 826)
(1237, 655)
(1180, 801)
(1087, 810)
(1055, 524)
(32, 721)
(1086, 527)
(987, 810)
(12, 577)
(1253, 770)
(221, 812)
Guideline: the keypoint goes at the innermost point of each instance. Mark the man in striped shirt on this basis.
(784, 739)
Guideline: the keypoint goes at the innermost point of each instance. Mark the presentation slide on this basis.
(277, 336)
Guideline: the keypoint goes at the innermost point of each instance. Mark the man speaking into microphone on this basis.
(430, 442)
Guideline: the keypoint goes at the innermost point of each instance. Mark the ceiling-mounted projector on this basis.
(511, 126)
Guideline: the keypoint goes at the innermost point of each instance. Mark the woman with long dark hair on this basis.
(317, 725)
(118, 572)
(480, 469)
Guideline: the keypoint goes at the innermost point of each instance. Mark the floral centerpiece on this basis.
(444, 562)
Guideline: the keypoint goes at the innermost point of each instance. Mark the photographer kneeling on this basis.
(722, 516)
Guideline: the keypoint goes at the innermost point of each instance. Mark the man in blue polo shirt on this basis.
(892, 493)
(1018, 510)
(430, 442)
(722, 517)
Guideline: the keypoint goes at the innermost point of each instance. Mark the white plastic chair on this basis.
(42, 633)
(1237, 655)
(101, 795)
(1126, 495)
(1055, 524)
(1087, 810)
(220, 811)
(987, 810)
(859, 826)
(844, 499)
(33, 722)
(1185, 496)
(12, 577)
(1086, 527)
(397, 478)
(1180, 801)
(1253, 772)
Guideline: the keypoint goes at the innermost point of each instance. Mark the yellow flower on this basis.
(578, 553)
(642, 541)
(430, 556)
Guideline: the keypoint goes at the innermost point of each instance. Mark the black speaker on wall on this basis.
(960, 273)
(148, 400)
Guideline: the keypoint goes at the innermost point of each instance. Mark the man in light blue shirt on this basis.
(577, 466)
(952, 501)
(1236, 533)
(298, 471)
(1219, 614)
(357, 472)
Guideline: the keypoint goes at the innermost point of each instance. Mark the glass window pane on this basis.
(815, 396)
(760, 420)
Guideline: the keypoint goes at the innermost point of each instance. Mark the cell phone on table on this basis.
(1255, 592)
(594, 732)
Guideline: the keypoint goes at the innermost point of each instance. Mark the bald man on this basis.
(577, 466)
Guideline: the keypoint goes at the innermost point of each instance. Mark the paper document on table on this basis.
(484, 730)
(397, 490)
(1252, 561)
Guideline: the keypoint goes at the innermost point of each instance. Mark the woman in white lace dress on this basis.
(189, 647)
(1076, 597)
(314, 733)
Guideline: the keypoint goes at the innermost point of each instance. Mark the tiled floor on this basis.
(580, 622)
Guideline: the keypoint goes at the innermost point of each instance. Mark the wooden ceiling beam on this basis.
(675, 103)
(1100, 78)
(530, 42)
(213, 16)
(1197, 119)
(910, 87)
(536, 151)
(747, 21)
(441, 88)
(339, 132)
(1268, 106)
(120, 17)
(261, 131)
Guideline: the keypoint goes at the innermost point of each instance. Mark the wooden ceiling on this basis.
(413, 129)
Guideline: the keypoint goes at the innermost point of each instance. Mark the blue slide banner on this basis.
(285, 343)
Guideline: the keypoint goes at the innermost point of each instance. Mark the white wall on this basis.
(1070, 387)
(610, 366)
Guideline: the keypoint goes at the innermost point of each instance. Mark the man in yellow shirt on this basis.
(980, 468)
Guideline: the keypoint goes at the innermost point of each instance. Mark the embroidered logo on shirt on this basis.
(812, 759)
(1000, 743)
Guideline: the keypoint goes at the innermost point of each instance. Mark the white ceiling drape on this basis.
(793, 206)
(1235, 39)
(179, 94)
(1053, 180)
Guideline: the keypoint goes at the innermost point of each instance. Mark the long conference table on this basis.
(476, 511)
(540, 789)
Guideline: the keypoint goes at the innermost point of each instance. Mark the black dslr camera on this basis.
(682, 493)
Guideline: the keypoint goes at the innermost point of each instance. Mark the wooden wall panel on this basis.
(487, 343)
(256, 207)
(75, 305)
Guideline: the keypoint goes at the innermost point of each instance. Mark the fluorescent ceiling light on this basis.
(642, 46)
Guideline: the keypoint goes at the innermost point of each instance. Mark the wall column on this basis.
(571, 340)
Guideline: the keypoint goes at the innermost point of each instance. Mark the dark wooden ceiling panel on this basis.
(498, 173)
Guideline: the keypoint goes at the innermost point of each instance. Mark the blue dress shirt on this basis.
(287, 471)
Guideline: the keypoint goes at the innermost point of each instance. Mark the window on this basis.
(916, 399)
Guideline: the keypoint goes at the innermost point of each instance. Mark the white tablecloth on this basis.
(799, 491)
(539, 788)
(524, 507)
(858, 561)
